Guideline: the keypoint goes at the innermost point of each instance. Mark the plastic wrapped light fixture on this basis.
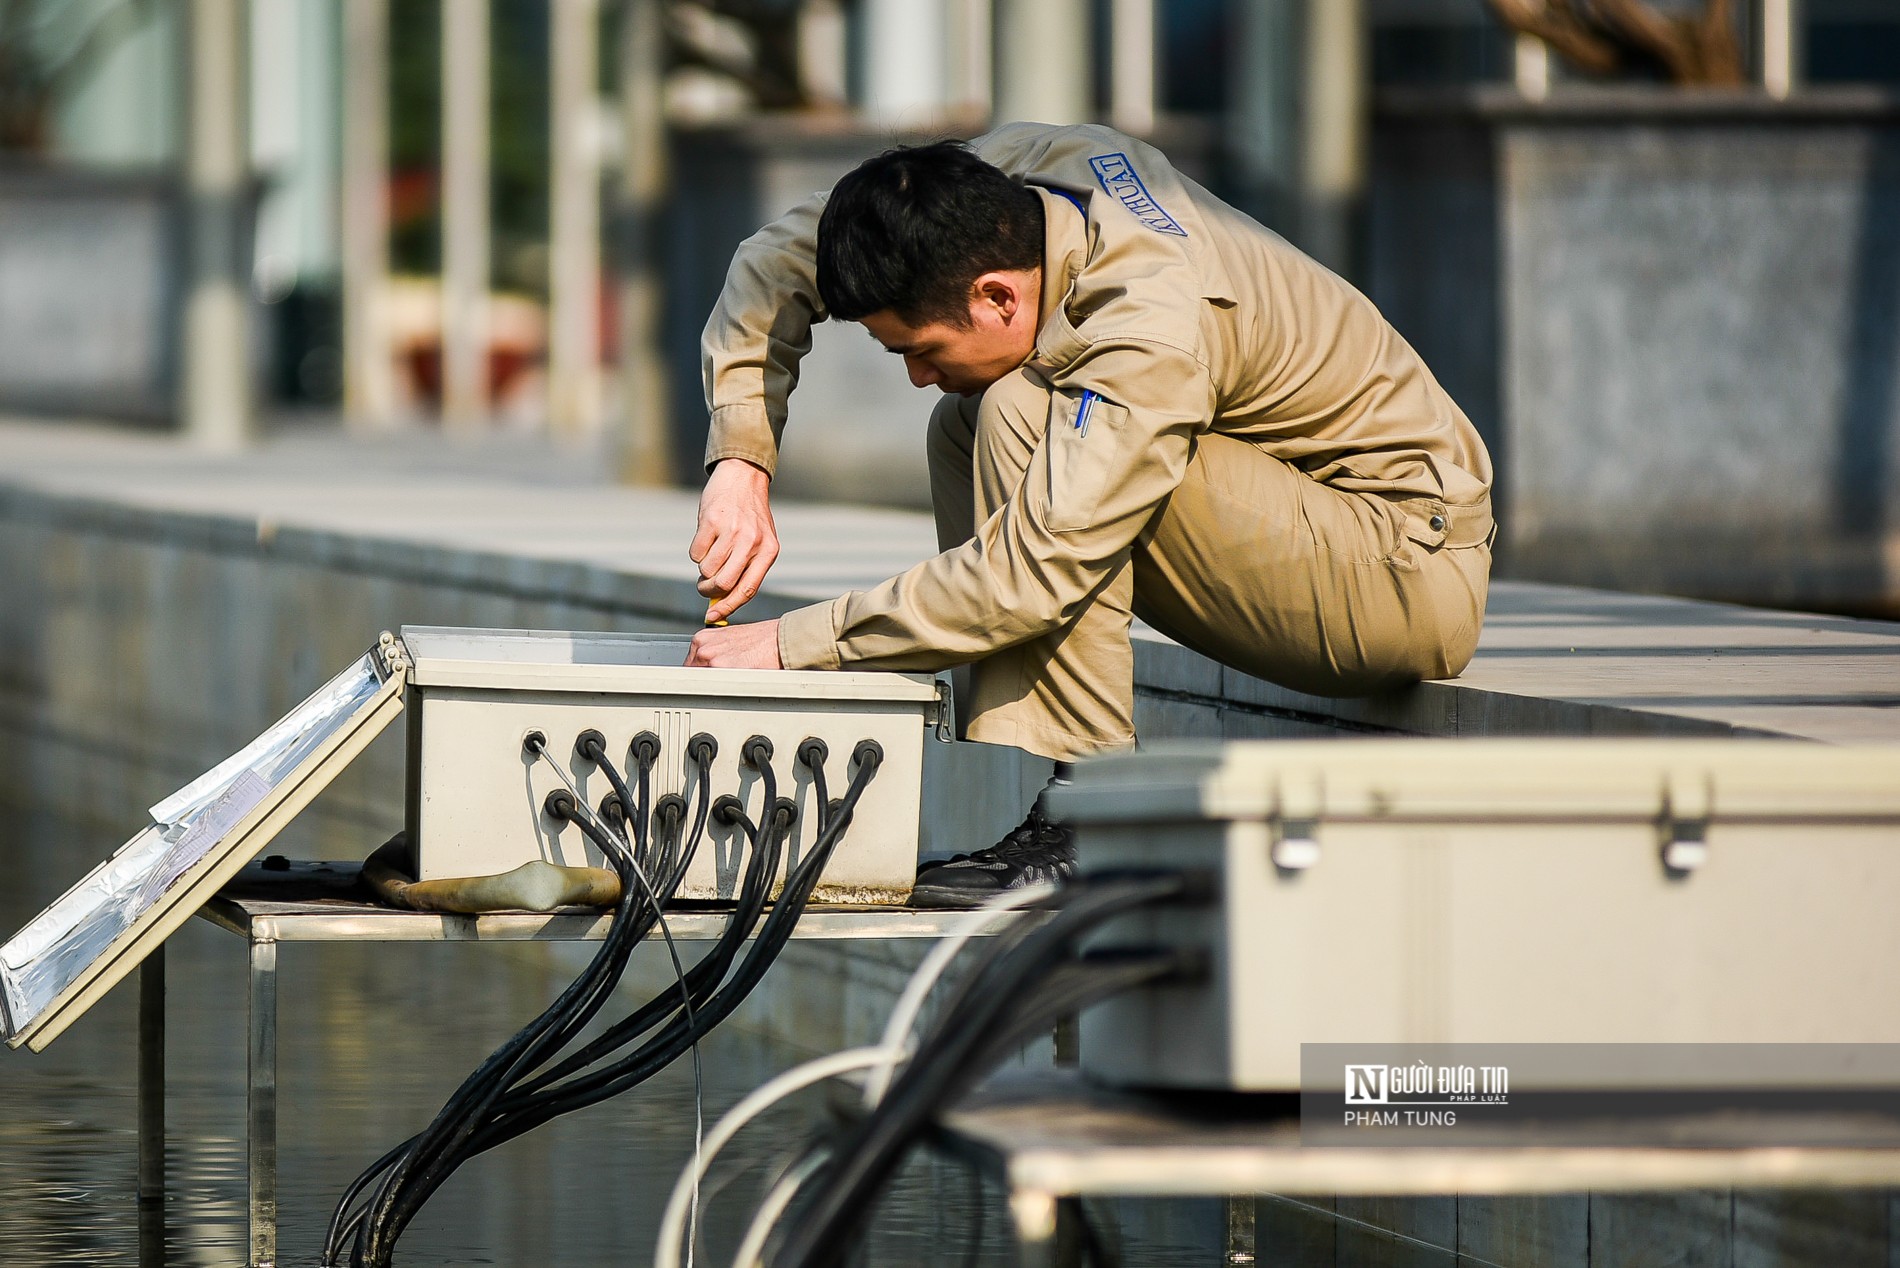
(98, 919)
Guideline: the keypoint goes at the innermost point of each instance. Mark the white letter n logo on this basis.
(1365, 1084)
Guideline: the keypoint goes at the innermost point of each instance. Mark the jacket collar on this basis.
(1065, 250)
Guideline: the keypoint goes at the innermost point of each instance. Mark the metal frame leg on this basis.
(1242, 1214)
(1071, 1232)
(1034, 1215)
(151, 1193)
(261, 1104)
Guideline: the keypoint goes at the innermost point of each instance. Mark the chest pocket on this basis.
(1085, 436)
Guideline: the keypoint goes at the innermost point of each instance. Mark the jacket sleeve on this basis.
(758, 332)
(1069, 526)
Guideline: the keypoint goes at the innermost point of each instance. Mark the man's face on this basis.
(967, 359)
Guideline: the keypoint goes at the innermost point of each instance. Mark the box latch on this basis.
(1683, 825)
(1294, 823)
(943, 712)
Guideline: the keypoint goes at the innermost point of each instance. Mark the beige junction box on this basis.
(476, 797)
(1625, 892)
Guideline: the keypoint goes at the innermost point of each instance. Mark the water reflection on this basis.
(372, 1038)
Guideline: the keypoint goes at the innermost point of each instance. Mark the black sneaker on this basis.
(1037, 851)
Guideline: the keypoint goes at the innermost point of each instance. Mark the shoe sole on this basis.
(944, 898)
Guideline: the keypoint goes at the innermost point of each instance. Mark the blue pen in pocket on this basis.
(1082, 412)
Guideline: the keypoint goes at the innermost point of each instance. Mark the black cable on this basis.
(437, 1152)
(479, 1090)
(988, 1016)
(767, 850)
(524, 1114)
(498, 1102)
(521, 1113)
(394, 1213)
(702, 748)
(645, 750)
(666, 1047)
(591, 746)
(435, 1146)
(1067, 989)
(708, 971)
(755, 888)
(814, 752)
(585, 992)
(823, 1233)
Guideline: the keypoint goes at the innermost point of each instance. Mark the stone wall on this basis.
(1676, 318)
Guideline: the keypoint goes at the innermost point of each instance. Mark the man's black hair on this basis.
(911, 229)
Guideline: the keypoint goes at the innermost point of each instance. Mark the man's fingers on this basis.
(749, 584)
(728, 602)
(702, 541)
(727, 576)
(720, 554)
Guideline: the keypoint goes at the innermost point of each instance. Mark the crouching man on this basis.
(1152, 407)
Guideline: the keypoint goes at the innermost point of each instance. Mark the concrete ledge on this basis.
(522, 534)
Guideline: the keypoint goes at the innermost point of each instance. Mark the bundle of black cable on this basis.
(517, 1089)
(1029, 979)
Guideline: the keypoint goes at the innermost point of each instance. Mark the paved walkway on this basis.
(1553, 659)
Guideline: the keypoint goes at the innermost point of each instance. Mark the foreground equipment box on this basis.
(476, 797)
(1524, 891)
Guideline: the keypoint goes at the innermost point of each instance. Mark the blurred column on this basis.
(369, 394)
(574, 383)
(645, 437)
(1043, 52)
(1263, 109)
(1298, 120)
(970, 37)
(1530, 67)
(1782, 27)
(904, 62)
(1333, 135)
(215, 387)
(1133, 57)
(464, 212)
(823, 52)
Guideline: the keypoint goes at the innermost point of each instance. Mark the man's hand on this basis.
(752, 646)
(737, 542)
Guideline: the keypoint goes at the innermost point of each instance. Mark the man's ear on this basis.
(999, 292)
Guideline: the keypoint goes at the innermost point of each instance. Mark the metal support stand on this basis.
(261, 1105)
(1068, 1042)
(1036, 1217)
(152, 1109)
(314, 902)
(1241, 1238)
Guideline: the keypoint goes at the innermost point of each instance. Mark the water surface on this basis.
(372, 1038)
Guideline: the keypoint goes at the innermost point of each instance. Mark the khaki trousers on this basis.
(1249, 561)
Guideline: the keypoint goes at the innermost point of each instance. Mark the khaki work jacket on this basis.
(1175, 315)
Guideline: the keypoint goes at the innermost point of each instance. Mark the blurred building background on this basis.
(1670, 297)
